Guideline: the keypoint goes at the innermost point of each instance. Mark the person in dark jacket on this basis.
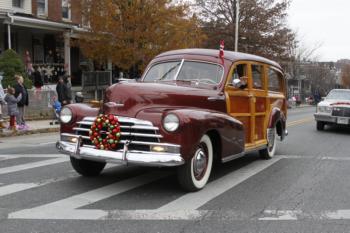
(21, 89)
(62, 92)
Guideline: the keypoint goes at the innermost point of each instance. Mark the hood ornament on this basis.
(114, 104)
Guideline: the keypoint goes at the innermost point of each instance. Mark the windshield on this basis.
(162, 71)
(339, 95)
(192, 71)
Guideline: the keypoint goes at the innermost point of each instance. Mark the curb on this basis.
(28, 132)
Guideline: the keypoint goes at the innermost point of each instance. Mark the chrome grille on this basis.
(341, 111)
(140, 133)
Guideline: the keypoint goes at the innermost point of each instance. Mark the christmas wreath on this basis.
(105, 132)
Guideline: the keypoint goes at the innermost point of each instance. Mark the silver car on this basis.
(334, 109)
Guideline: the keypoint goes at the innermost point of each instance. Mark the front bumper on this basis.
(124, 156)
(331, 119)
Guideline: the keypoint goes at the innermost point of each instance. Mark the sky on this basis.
(324, 23)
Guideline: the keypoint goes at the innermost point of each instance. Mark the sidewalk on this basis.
(39, 126)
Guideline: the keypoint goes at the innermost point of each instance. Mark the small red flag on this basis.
(222, 46)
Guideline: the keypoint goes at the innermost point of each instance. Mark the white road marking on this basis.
(33, 156)
(27, 166)
(18, 187)
(293, 215)
(68, 208)
(192, 201)
(314, 157)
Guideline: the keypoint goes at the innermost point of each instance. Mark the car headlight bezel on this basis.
(66, 115)
(324, 109)
(171, 122)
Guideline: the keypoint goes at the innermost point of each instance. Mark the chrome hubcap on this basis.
(200, 163)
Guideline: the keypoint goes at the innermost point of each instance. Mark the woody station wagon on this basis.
(191, 106)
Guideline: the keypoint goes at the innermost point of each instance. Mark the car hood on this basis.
(127, 99)
(337, 102)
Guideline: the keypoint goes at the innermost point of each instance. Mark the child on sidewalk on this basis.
(12, 109)
(56, 110)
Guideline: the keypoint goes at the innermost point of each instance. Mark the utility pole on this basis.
(237, 25)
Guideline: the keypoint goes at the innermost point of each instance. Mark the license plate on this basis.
(342, 120)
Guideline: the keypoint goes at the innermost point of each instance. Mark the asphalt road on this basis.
(305, 188)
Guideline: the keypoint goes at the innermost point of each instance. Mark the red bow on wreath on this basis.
(110, 124)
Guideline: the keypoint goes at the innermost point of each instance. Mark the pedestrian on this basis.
(2, 102)
(68, 82)
(79, 98)
(56, 105)
(23, 103)
(62, 92)
(12, 108)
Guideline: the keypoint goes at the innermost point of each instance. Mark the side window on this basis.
(257, 75)
(240, 71)
(275, 80)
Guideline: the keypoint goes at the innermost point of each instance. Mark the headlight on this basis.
(66, 115)
(325, 109)
(171, 122)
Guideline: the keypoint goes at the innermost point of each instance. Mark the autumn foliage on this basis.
(132, 32)
(345, 75)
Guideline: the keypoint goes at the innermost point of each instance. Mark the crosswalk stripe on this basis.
(27, 166)
(18, 187)
(192, 201)
(5, 156)
(68, 208)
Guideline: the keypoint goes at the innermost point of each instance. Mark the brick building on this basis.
(43, 29)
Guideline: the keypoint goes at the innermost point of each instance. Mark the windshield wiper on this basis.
(166, 73)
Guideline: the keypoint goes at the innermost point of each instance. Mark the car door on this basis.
(239, 100)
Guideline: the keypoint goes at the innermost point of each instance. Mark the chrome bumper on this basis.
(327, 118)
(125, 156)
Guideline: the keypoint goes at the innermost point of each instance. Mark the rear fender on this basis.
(278, 120)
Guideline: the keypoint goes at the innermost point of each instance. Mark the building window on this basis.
(42, 7)
(66, 11)
(17, 3)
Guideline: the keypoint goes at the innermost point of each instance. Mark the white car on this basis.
(334, 109)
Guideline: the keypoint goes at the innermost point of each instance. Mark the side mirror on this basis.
(323, 98)
(237, 83)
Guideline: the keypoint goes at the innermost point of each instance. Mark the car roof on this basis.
(229, 55)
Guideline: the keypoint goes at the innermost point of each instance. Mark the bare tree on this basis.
(263, 29)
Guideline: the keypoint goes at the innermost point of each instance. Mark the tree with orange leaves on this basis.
(132, 32)
(345, 75)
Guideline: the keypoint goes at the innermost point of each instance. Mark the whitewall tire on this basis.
(195, 174)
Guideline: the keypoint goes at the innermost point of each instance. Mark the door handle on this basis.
(214, 98)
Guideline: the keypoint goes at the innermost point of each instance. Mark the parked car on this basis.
(333, 109)
(190, 108)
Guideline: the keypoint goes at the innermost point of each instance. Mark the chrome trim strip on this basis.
(132, 157)
(81, 129)
(127, 133)
(85, 122)
(232, 157)
(122, 120)
(124, 141)
(141, 135)
(178, 70)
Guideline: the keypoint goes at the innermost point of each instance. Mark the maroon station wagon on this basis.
(190, 107)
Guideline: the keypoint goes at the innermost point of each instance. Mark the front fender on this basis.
(194, 123)
(79, 112)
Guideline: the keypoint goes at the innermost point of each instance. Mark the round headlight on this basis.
(171, 122)
(66, 115)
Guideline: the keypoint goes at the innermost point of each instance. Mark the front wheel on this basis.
(320, 125)
(87, 167)
(270, 150)
(195, 173)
